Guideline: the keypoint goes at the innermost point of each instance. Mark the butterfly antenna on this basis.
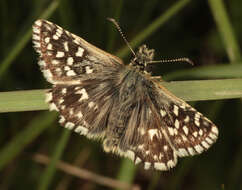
(182, 59)
(121, 33)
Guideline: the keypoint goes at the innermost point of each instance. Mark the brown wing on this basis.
(162, 127)
(65, 57)
(189, 131)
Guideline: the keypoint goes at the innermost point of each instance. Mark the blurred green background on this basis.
(32, 142)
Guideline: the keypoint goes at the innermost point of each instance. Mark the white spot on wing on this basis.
(79, 115)
(177, 124)
(147, 165)
(69, 125)
(171, 164)
(191, 151)
(49, 47)
(42, 63)
(66, 46)
(212, 136)
(209, 140)
(195, 133)
(60, 54)
(185, 129)
(142, 131)
(91, 104)
(36, 30)
(61, 101)
(36, 37)
(152, 132)
(205, 144)
(59, 32)
(70, 61)
(62, 119)
(200, 132)
(38, 22)
(162, 112)
(182, 152)
(184, 138)
(186, 120)
(47, 40)
(67, 68)
(130, 154)
(84, 94)
(160, 166)
(63, 91)
(48, 75)
(82, 130)
(79, 52)
(52, 106)
(175, 110)
(175, 131)
(198, 148)
(141, 147)
(48, 97)
(55, 37)
(71, 112)
(55, 62)
(137, 160)
(88, 70)
(58, 71)
(36, 44)
(215, 130)
(197, 123)
(71, 73)
(171, 131)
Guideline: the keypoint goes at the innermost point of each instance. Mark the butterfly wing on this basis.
(161, 127)
(149, 143)
(149, 125)
(65, 57)
(190, 132)
(80, 73)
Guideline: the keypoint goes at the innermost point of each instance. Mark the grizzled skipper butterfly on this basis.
(123, 105)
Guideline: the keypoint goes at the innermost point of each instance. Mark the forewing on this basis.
(65, 57)
(80, 73)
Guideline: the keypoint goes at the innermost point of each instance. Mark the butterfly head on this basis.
(142, 57)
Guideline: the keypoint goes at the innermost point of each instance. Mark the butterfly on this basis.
(124, 106)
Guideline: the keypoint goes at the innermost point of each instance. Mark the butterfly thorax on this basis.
(142, 58)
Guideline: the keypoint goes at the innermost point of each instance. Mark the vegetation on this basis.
(36, 153)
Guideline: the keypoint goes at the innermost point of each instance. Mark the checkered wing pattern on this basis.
(65, 57)
(79, 73)
(149, 143)
(165, 128)
(99, 97)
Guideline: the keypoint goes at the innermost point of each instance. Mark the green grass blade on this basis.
(206, 89)
(48, 175)
(24, 40)
(127, 171)
(153, 27)
(18, 143)
(225, 28)
(211, 72)
(28, 100)
(201, 90)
